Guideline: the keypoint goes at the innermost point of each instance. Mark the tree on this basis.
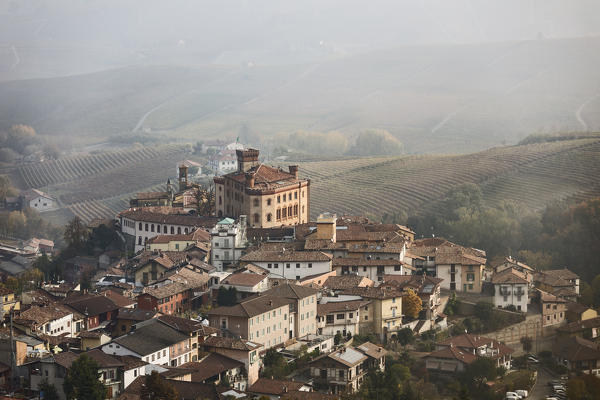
(5, 187)
(375, 142)
(48, 391)
(83, 380)
(205, 200)
(412, 304)
(76, 232)
(227, 297)
(337, 339)
(405, 336)
(479, 371)
(158, 388)
(527, 344)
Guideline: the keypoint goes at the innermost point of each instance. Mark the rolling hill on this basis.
(435, 99)
(531, 175)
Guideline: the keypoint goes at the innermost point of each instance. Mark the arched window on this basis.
(140, 227)
(165, 229)
(172, 230)
(179, 230)
(289, 211)
(256, 218)
(255, 201)
(185, 231)
(139, 240)
(220, 213)
(146, 228)
(269, 217)
(152, 228)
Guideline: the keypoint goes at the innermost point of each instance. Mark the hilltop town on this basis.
(236, 292)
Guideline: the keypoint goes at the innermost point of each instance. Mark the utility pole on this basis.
(13, 365)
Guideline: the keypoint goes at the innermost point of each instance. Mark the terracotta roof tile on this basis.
(274, 386)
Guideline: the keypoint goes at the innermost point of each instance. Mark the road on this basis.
(541, 388)
(580, 110)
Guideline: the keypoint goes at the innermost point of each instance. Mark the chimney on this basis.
(246, 159)
(326, 227)
(250, 179)
(294, 171)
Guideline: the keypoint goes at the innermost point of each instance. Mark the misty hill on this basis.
(457, 98)
(531, 175)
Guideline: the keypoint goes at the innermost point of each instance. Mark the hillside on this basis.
(531, 175)
(99, 185)
(443, 98)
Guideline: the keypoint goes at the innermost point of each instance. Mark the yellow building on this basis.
(8, 300)
(177, 242)
(268, 196)
(386, 304)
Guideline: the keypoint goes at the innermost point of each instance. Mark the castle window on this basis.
(269, 217)
(165, 229)
(139, 240)
(268, 202)
(255, 202)
(172, 230)
(179, 230)
(290, 211)
(146, 228)
(303, 194)
(284, 197)
(295, 209)
(278, 199)
(284, 212)
(186, 231)
(152, 228)
(256, 218)
(278, 214)
(220, 200)
(140, 226)
(295, 195)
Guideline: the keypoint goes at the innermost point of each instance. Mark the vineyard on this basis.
(72, 168)
(531, 175)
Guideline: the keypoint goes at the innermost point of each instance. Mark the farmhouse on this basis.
(38, 200)
(511, 289)
(268, 196)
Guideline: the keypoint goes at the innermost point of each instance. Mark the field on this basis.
(100, 185)
(435, 99)
(531, 175)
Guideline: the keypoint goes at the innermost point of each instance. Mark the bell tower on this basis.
(183, 177)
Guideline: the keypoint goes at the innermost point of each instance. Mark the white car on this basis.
(512, 395)
(522, 393)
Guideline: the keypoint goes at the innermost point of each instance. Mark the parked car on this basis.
(522, 393)
(512, 395)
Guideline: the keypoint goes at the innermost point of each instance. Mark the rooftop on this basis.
(244, 279)
(285, 256)
(509, 276)
(251, 307)
(150, 338)
(274, 386)
(337, 306)
(230, 343)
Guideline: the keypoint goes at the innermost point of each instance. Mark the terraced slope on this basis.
(531, 175)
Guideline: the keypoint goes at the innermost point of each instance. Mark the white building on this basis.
(153, 342)
(341, 317)
(38, 200)
(52, 320)
(290, 264)
(228, 242)
(373, 269)
(144, 224)
(510, 288)
(246, 283)
(224, 162)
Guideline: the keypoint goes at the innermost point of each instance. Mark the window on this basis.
(152, 228)
(297, 265)
(329, 319)
(276, 265)
(470, 277)
(165, 229)
(278, 199)
(146, 226)
(340, 316)
(255, 202)
(284, 212)
(172, 230)
(351, 315)
(256, 218)
(140, 226)
(269, 217)
(295, 195)
(309, 265)
(278, 214)
(268, 202)
(139, 240)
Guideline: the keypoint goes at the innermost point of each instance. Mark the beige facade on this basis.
(265, 320)
(268, 196)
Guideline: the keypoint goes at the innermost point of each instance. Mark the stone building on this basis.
(268, 196)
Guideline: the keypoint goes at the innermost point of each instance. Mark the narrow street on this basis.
(541, 389)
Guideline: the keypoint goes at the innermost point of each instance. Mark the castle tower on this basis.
(183, 177)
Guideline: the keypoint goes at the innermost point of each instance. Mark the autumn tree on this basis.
(205, 200)
(157, 388)
(83, 380)
(76, 232)
(412, 304)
